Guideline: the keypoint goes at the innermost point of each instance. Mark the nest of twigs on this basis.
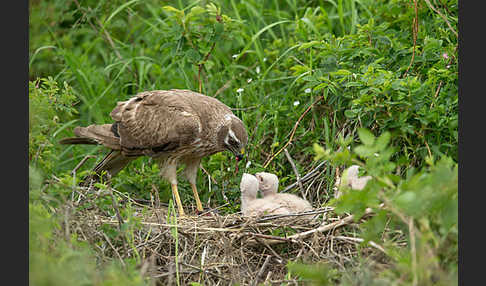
(215, 249)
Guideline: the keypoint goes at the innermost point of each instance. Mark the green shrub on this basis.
(424, 204)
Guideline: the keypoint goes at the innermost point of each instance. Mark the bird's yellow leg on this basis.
(178, 199)
(196, 196)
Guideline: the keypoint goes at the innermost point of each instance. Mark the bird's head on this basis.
(268, 182)
(249, 185)
(233, 137)
(350, 175)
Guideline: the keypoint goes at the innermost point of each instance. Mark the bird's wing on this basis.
(155, 121)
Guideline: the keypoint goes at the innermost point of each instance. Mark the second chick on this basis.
(268, 184)
(251, 205)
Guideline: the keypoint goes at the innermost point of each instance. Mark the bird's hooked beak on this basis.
(239, 157)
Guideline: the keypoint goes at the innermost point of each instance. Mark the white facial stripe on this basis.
(232, 134)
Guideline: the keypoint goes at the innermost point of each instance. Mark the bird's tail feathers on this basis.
(77, 140)
(103, 134)
(113, 163)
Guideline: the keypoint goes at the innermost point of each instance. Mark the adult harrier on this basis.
(173, 127)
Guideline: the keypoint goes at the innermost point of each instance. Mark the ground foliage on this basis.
(372, 83)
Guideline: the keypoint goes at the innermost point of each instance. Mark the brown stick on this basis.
(306, 177)
(318, 211)
(112, 247)
(118, 216)
(442, 16)
(280, 259)
(323, 228)
(330, 226)
(294, 168)
(415, 32)
(359, 240)
(262, 270)
(200, 66)
(266, 236)
(205, 271)
(107, 36)
(293, 131)
(441, 82)
(413, 250)
(73, 172)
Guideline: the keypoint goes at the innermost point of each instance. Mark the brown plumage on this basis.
(268, 184)
(173, 127)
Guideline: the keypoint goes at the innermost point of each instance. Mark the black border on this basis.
(15, 128)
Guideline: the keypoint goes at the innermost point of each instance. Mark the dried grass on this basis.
(215, 249)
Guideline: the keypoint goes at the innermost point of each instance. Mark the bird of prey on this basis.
(173, 127)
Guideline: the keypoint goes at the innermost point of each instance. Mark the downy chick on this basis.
(268, 184)
(251, 205)
(353, 181)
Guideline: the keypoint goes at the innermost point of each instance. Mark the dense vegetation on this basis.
(364, 82)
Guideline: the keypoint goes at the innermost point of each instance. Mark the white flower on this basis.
(248, 164)
(234, 56)
(296, 103)
(264, 59)
(258, 69)
(249, 80)
(239, 90)
(229, 169)
(376, 155)
(307, 90)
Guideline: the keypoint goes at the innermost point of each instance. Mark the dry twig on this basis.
(297, 175)
(442, 16)
(292, 133)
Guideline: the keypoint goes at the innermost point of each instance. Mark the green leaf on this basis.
(195, 11)
(382, 141)
(406, 199)
(309, 44)
(321, 86)
(341, 73)
(193, 56)
(349, 113)
(366, 136)
(320, 152)
(218, 30)
(364, 151)
(374, 227)
(172, 9)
